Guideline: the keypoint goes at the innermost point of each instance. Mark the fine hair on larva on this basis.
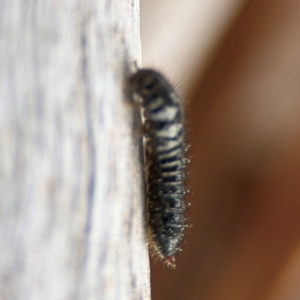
(165, 158)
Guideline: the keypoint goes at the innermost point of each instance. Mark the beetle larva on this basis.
(165, 157)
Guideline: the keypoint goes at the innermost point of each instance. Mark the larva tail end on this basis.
(170, 261)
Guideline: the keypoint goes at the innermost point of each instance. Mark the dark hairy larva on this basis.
(165, 158)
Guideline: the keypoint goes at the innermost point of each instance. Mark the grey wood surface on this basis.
(71, 177)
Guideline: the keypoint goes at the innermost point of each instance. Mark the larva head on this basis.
(149, 84)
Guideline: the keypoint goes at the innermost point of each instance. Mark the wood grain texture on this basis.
(71, 182)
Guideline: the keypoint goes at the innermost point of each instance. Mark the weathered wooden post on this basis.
(71, 181)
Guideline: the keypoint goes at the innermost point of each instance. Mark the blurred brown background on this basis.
(238, 65)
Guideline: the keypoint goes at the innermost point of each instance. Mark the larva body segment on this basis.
(165, 158)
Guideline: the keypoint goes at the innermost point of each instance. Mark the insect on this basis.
(165, 157)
